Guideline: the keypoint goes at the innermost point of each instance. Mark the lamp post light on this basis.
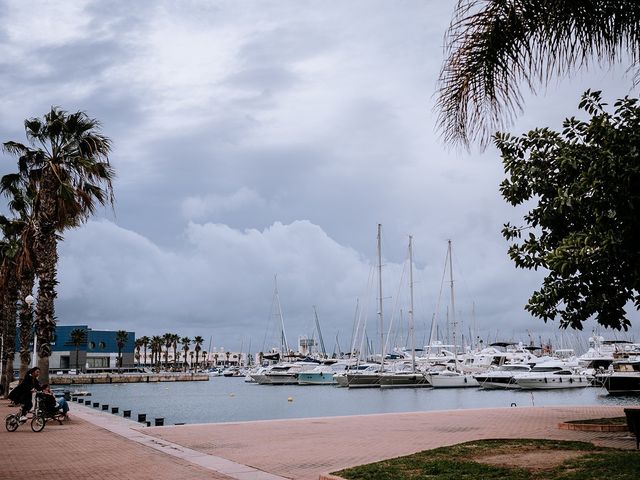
(34, 360)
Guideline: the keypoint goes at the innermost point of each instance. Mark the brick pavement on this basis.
(100, 445)
(306, 448)
(81, 450)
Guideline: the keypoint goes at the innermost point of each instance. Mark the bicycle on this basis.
(38, 420)
(13, 420)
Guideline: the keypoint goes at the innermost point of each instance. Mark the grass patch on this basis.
(521, 459)
(602, 421)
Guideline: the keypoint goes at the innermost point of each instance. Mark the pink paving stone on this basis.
(100, 445)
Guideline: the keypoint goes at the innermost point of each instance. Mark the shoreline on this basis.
(106, 378)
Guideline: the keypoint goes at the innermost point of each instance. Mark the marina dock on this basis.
(103, 378)
(96, 444)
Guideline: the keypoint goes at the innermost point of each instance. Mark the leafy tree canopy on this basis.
(584, 224)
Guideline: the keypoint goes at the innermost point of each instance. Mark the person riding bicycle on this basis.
(22, 393)
(52, 405)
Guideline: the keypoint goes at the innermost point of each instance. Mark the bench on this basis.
(633, 422)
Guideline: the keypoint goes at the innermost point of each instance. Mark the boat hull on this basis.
(323, 378)
(442, 380)
(553, 383)
(367, 380)
(412, 380)
(621, 384)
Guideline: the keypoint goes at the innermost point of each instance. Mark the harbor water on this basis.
(231, 399)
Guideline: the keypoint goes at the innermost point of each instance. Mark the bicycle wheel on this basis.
(37, 423)
(12, 423)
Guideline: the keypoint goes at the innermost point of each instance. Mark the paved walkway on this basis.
(96, 444)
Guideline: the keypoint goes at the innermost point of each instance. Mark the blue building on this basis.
(99, 352)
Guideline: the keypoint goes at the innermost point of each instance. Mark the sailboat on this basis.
(406, 375)
(452, 376)
(357, 377)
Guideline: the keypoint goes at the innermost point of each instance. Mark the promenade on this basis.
(97, 444)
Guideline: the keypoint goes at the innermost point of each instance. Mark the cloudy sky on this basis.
(262, 138)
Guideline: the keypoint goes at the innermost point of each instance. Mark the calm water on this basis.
(225, 399)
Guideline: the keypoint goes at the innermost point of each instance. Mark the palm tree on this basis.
(494, 45)
(228, 354)
(156, 349)
(198, 342)
(175, 339)
(21, 194)
(68, 164)
(185, 341)
(168, 341)
(121, 339)
(139, 343)
(78, 338)
(8, 312)
(145, 343)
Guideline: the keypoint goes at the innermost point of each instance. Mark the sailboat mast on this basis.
(285, 345)
(315, 314)
(380, 296)
(411, 320)
(453, 306)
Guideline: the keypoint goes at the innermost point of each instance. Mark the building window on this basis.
(92, 345)
(103, 345)
(98, 362)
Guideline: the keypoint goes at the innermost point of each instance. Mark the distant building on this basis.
(99, 352)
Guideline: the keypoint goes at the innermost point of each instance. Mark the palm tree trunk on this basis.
(26, 322)
(9, 332)
(46, 250)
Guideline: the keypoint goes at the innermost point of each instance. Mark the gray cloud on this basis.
(251, 142)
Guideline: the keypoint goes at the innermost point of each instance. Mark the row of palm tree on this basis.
(161, 345)
(63, 174)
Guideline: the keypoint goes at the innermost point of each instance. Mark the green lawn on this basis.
(506, 459)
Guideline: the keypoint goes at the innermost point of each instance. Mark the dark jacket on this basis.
(22, 392)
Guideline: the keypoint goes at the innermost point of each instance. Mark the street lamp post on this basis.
(34, 360)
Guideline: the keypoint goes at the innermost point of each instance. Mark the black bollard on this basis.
(142, 417)
(105, 407)
(148, 423)
(96, 404)
(87, 402)
(126, 413)
(114, 409)
(74, 399)
(159, 422)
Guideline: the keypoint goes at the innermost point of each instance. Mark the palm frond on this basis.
(494, 46)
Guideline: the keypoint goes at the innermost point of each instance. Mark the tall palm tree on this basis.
(8, 312)
(495, 45)
(156, 350)
(168, 341)
(67, 160)
(121, 339)
(138, 345)
(198, 347)
(185, 341)
(78, 338)
(20, 193)
(175, 339)
(145, 343)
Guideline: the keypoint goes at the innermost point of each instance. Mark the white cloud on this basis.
(194, 208)
(250, 142)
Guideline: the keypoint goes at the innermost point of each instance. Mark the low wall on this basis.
(97, 378)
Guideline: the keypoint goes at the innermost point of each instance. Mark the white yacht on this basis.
(551, 375)
(322, 374)
(501, 377)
